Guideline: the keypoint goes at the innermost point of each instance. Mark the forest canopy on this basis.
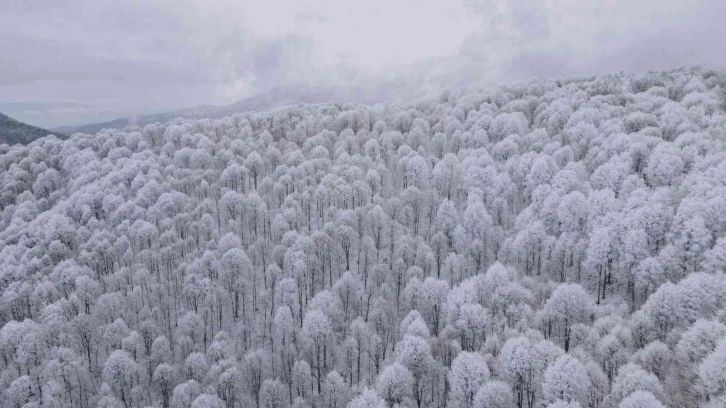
(549, 243)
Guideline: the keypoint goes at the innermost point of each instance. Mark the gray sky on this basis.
(79, 61)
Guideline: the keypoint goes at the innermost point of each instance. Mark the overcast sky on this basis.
(79, 61)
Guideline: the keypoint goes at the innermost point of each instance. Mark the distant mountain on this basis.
(14, 132)
(265, 101)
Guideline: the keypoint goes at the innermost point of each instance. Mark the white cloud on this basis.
(163, 54)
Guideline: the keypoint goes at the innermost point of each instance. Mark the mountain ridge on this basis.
(276, 97)
(13, 131)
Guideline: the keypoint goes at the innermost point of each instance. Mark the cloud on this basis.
(568, 37)
(158, 55)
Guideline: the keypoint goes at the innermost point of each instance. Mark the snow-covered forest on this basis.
(549, 243)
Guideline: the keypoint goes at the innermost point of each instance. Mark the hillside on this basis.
(13, 131)
(553, 243)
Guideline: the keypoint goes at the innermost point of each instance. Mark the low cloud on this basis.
(152, 56)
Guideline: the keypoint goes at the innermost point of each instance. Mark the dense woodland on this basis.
(549, 243)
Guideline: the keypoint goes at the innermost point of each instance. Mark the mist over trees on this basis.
(551, 243)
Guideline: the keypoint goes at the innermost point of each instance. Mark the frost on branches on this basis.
(544, 244)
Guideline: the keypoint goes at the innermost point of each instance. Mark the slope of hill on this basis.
(550, 243)
(13, 131)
